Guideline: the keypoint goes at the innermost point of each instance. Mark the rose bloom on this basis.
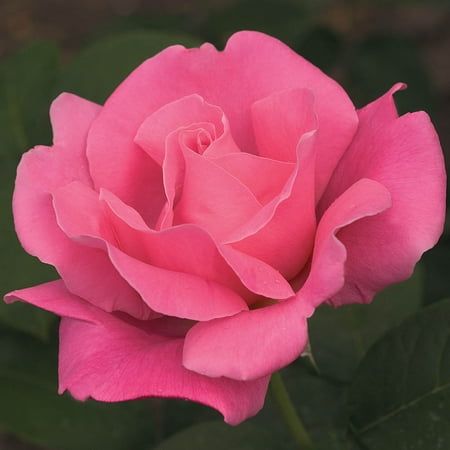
(200, 216)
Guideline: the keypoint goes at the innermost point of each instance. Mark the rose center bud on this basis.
(197, 140)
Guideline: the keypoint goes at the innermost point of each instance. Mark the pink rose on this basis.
(200, 216)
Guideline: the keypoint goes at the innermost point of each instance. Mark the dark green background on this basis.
(381, 375)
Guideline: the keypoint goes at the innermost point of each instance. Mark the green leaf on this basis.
(100, 68)
(27, 80)
(18, 269)
(380, 61)
(218, 435)
(32, 409)
(340, 337)
(321, 404)
(400, 397)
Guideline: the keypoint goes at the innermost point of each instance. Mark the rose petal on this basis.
(403, 154)
(176, 294)
(187, 248)
(123, 362)
(282, 233)
(257, 276)
(169, 292)
(363, 200)
(212, 198)
(184, 249)
(250, 344)
(117, 163)
(263, 176)
(255, 343)
(43, 170)
(54, 297)
(254, 60)
(153, 132)
(280, 120)
(126, 360)
(174, 160)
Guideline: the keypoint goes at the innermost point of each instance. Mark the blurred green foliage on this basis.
(400, 396)
(340, 337)
(100, 67)
(375, 382)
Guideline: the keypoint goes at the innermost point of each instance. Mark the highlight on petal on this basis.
(251, 344)
(128, 359)
(403, 154)
(264, 177)
(257, 276)
(71, 117)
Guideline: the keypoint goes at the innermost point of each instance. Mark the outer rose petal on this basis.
(125, 360)
(44, 169)
(41, 171)
(364, 199)
(255, 343)
(250, 344)
(54, 297)
(402, 153)
(255, 60)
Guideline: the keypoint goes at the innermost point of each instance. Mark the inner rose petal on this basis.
(197, 140)
(197, 137)
(108, 224)
(153, 132)
(212, 198)
(280, 120)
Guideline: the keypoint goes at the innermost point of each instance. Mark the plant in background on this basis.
(200, 216)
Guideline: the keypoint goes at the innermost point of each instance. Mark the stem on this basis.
(290, 416)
